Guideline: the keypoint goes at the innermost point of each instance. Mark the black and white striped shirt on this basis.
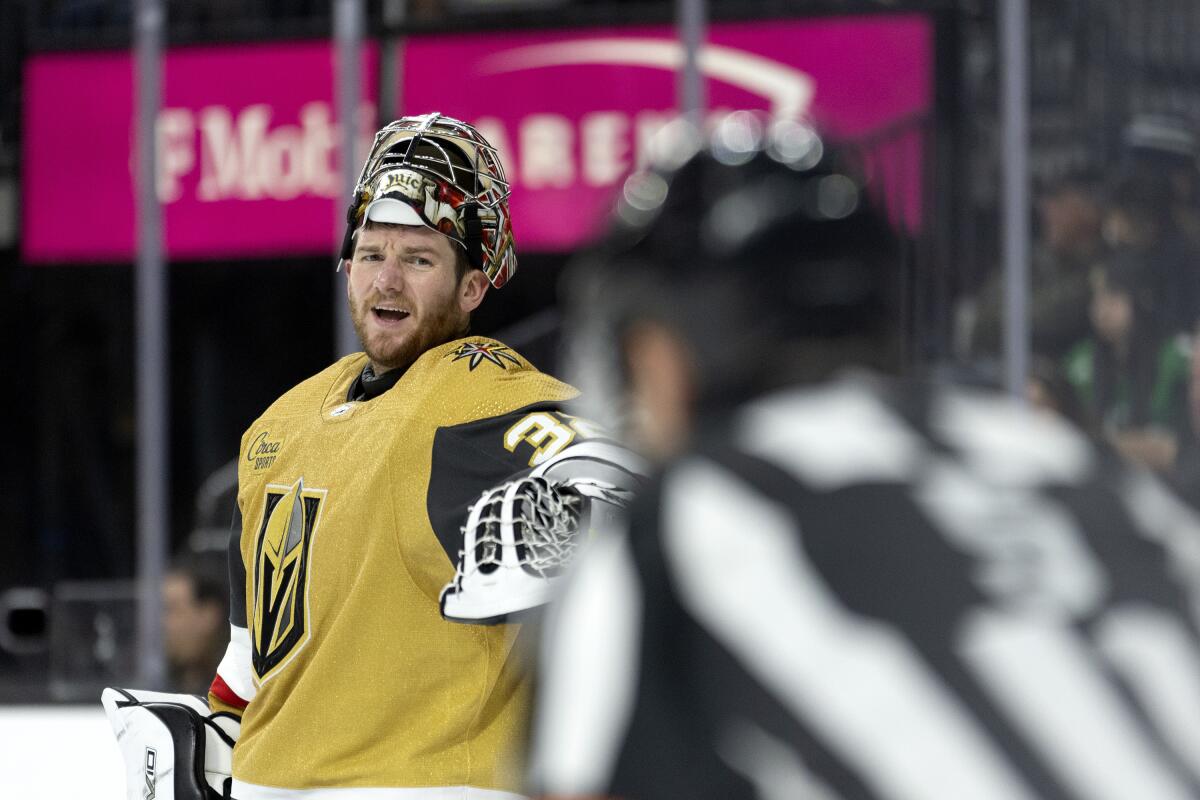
(872, 591)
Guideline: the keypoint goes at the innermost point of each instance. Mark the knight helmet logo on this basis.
(282, 568)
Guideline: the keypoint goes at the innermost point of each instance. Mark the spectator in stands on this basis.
(195, 618)
(1049, 390)
(1141, 216)
(1131, 374)
(1070, 211)
(1186, 477)
(1167, 146)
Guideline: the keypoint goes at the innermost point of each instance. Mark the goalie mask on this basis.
(439, 172)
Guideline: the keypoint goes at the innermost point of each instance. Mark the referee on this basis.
(847, 585)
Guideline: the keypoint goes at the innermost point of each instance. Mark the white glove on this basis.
(518, 539)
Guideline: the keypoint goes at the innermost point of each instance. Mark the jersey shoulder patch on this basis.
(485, 352)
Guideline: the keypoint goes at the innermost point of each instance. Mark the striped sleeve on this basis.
(586, 689)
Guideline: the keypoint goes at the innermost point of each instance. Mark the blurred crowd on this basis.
(1115, 300)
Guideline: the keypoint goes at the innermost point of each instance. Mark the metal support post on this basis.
(692, 20)
(349, 24)
(151, 298)
(1014, 127)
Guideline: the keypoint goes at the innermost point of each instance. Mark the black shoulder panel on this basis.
(467, 460)
(237, 573)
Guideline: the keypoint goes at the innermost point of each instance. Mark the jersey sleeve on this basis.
(232, 687)
(469, 459)
(610, 682)
(588, 673)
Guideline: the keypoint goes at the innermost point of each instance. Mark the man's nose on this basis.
(390, 277)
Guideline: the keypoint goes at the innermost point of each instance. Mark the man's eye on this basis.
(421, 261)
(372, 257)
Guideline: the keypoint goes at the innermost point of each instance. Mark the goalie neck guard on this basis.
(439, 172)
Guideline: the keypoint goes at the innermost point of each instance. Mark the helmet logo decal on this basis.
(478, 352)
(434, 200)
(405, 181)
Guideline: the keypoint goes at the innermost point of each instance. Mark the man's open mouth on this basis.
(389, 313)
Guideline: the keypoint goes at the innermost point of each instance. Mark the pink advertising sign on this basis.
(249, 135)
(573, 112)
(249, 152)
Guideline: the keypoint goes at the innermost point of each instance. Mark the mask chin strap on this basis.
(347, 251)
(474, 237)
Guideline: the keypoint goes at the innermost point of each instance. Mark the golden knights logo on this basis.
(479, 352)
(279, 627)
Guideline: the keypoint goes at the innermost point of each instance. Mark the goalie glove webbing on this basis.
(518, 539)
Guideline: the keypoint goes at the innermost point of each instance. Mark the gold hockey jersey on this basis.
(351, 515)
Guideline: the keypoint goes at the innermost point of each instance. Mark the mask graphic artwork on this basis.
(281, 571)
(450, 178)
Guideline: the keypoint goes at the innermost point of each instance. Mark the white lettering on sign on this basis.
(493, 130)
(320, 147)
(547, 157)
(646, 125)
(246, 156)
(176, 134)
(227, 152)
(243, 156)
(281, 163)
(604, 144)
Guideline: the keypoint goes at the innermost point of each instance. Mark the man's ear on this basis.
(347, 265)
(471, 289)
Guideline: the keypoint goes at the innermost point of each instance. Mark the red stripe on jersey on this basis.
(222, 692)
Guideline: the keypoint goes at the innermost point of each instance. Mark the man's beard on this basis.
(388, 354)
